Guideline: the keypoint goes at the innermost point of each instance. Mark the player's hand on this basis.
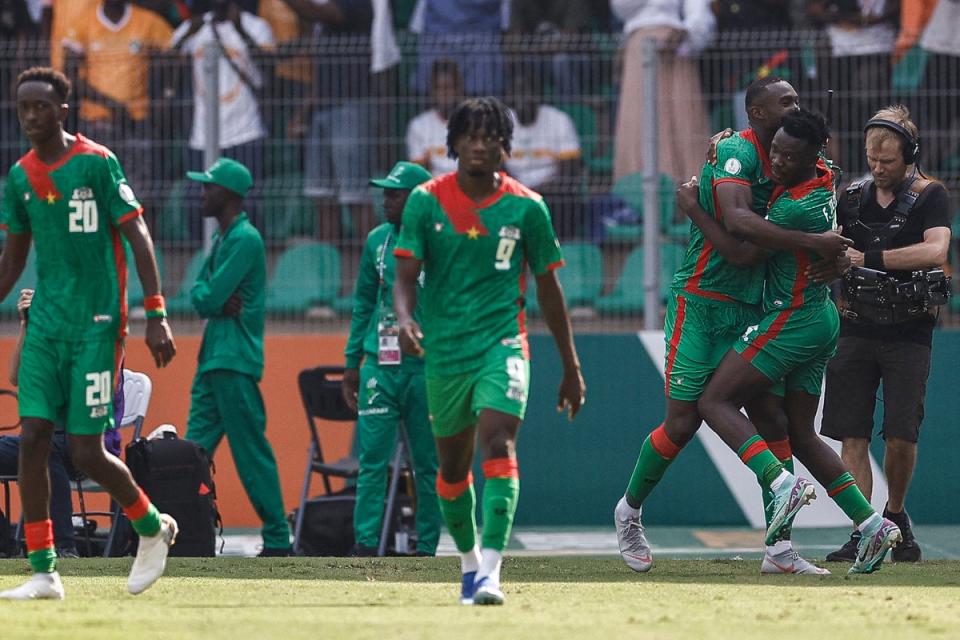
(350, 387)
(688, 195)
(572, 394)
(714, 141)
(233, 306)
(831, 244)
(825, 271)
(24, 302)
(856, 257)
(410, 338)
(160, 341)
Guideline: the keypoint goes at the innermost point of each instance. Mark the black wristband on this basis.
(873, 259)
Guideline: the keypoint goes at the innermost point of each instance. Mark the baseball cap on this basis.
(227, 173)
(404, 175)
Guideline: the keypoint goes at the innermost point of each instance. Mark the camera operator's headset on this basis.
(911, 145)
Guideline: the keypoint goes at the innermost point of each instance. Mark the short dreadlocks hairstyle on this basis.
(475, 113)
(807, 126)
(49, 75)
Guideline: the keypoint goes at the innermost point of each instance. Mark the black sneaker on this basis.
(267, 552)
(908, 550)
(67, 552)
(848, 552)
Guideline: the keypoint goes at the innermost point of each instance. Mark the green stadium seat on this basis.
(305, 275)
(343, 305)
(180, 303)
(627, 296)
(286, 211)
(27, 280)
(585, 121)
(134, 288)
(581, 277)
(630, 189)
(172, 226)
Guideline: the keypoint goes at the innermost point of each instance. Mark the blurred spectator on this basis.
(20, 47)
(340, 116)
(108, 58)
(427, 132)
(466, 31)
(61, 20)
(545, 153)
(861, 35)
(240, 36)
(20, 20)
(681, 29)
(557, 25)
(941, 85)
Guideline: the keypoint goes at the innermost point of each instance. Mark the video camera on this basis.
(878, 297)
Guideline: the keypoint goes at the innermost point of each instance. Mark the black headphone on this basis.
(910, 146)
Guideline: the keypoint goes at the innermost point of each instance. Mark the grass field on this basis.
(567, 597)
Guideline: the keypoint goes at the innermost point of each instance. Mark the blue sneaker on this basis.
(787, 501)
(873, 547)
(466, 587)
(486, 591)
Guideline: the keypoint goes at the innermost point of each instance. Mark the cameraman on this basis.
(899, 221)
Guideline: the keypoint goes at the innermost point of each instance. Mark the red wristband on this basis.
(154, 303)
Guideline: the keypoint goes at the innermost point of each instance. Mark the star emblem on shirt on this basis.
(51, 197)
(473, 233)
(438, 227)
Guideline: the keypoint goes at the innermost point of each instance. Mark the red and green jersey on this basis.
(474, 260)
(810, 207)
(73, 208)
(743, 160)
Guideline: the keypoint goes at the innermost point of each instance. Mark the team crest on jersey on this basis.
(126, 193)
(732, 166)
(82, 193)
(510, 231)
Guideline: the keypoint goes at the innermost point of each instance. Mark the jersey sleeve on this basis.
(418, 147)
(937, 208)
(159, 33)
(541, 245)
(412, 240)
(364, 302)
(13, 215)
(117, 195)
(736, 161)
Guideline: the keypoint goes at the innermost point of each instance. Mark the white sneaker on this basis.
(789, 561)
(487, 591)
(151, 557)
(634, 547)
(40, 586)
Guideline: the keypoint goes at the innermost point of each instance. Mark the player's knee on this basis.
(85, 457)
(35, 441)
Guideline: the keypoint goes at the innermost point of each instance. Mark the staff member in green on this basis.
(225, 399)
(390, 387)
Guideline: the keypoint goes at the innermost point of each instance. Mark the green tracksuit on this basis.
(388, 394)
(225, 399)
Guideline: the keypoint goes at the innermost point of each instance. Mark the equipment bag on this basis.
(328, 524)
(177, 475)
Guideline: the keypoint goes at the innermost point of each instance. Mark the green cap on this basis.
(404, 175)
(227, 173)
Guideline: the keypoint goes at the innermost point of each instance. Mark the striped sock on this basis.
(143, 515)
(755, 454)
(656, 454)
(40, 553)
(500, 493)
(847, 495)
(458, 505)
(781, 449)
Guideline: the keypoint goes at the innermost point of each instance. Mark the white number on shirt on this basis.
(504, 253)
(98, 388)
(83, 216)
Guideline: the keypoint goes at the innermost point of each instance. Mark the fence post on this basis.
(211, 150)
(651, 189)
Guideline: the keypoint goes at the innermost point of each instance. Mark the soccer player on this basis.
(715, 295)
(473, 232)
(69, 196)
(792, 342)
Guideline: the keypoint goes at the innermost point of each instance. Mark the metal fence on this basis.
(329, 124)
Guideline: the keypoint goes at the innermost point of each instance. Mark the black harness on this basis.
(877, 236)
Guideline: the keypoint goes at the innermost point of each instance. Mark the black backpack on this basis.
(177, 475)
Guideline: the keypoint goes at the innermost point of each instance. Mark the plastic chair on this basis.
(581, 277)
(628, 296)
(305, 275)
(137, 389)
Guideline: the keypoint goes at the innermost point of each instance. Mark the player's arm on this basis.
(405, 301)
(737, 252)
(364, 302)
(929, 254)
(13, 260)
(159, 336)
(734, 199)
(210, 296)
(553, 306)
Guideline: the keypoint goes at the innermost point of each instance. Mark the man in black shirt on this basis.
(893, 236)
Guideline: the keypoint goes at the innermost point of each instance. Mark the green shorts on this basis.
(794, 345)
(69, 381)
(698, 333)
(501, 383)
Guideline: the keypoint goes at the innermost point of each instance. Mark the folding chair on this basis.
(18, 533)
(137, 389)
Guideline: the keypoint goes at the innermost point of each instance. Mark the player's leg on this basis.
(61, 498)
(240, 406)
(454, 432)
(89, 414)
(423, 451)
(378, 409)
(40, 399)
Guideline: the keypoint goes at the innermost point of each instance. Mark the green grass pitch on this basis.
(547, 597)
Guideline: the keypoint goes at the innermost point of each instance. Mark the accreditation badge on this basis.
(388, 340)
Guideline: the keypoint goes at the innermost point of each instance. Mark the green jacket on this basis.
(371, 295)
(237, 262)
